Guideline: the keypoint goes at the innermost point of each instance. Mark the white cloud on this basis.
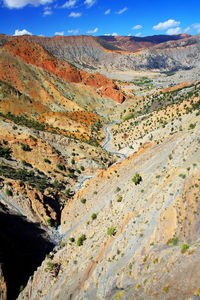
(187, 29)
(107, 34)
(69, 4)
(89, 3)
(47, 11)
(138, 34)
(121, 11)
(22, 32)
(93, 31)
(197, 27)
(136, 27)
(75, 15)
(172, 31)
(114, 34)
(167, 24)
(107, 12)
(73, 31)
(22, 3)
(61, 33)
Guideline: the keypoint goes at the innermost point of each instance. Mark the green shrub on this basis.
(192, 126)
(182, 176)
(94, 216)
(62, 244)
(117, 189)
(173, 241)
(111, 231)
(49, 266)
(67, 192)
(81, 239)
(9, 193)
(46, 160)
(25, 147)
(48, 220)
(83, 200)
(21, 288)
(184, 248)
(166, 289)
(5, 152)
(137, 178)
(61, 167)
(72, 239)
(119, 198)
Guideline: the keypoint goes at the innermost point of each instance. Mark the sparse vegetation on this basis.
(83, 200)
(46, 160)
(111, 231)
(81, 239)
(173, 241)
(137, 178)
(25, 147)
(9, 193)
(5, 152)
(184, 248)
(94, 216)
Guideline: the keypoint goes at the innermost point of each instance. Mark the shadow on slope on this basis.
(23, 248)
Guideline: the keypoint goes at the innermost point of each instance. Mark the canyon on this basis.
(99, 167)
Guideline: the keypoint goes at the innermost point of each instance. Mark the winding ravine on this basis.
(105, 146)
(107, 140)
(54, 234)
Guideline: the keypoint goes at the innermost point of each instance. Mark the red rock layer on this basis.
(34, 54)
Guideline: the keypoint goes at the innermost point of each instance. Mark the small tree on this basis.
(137, 178)
(72, 239)
(25, 147)
(94, 216)
(81, 239)
(111, 231)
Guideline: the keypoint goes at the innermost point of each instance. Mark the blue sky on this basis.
(99, 17)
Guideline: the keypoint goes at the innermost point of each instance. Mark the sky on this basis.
(99, 17)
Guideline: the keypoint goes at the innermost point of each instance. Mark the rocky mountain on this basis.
(99, 177)
(158, 53)
(134, 44)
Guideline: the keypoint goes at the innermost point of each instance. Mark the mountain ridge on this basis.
(86, 53)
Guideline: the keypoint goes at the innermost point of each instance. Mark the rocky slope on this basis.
(139, 241)
(34, 54)
(162, 53)
(123, 213)
(84, 52)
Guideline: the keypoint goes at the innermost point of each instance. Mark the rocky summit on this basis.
(100, 167)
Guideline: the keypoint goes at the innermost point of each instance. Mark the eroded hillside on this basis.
(132, 240)
(108, 54)
(102, 173)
